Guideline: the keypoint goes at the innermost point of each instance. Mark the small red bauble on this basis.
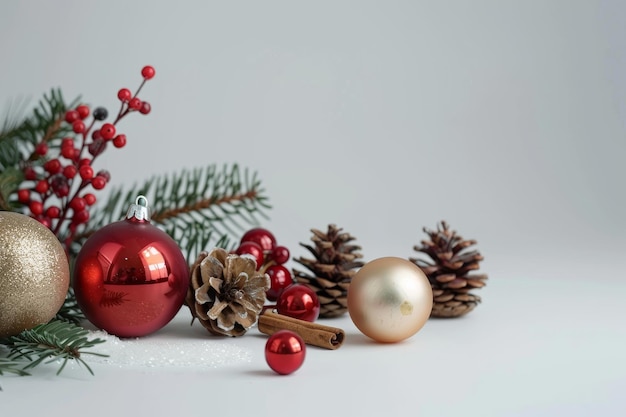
(145, 108)
(134, 103)
(300, 302)
(280, 254)
(78, 126)
(280, 278)
(263, 237)
(130, 277)
(251, 248)
(285, 352)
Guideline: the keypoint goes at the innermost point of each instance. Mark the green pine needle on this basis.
(70, 311)
(56, 340)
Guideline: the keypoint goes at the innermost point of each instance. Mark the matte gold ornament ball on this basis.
(389, 299)
(34, 273)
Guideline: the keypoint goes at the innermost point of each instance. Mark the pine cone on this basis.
(448, 271)
(226, 293)
(332, 269)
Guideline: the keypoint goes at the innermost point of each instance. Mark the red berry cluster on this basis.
(56, 186)
(292, 299)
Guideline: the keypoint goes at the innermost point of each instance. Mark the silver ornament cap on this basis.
(139, 210)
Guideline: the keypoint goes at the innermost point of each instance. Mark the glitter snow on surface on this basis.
(173, 353)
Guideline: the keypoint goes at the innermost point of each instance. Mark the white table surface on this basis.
(544, 344)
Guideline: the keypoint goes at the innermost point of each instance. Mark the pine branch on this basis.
(8, 366)
(19, 135)
(70, 311)
(199, 208)
(56, 340)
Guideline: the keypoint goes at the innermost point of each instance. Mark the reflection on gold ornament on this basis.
(389, 299)
(34, 273)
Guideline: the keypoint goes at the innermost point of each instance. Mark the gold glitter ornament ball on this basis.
(34, 273)
(389, 299)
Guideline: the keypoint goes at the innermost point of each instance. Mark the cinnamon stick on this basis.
(312, 333)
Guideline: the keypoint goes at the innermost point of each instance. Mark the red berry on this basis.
(147, 72)
(86, 172)
(90, 199)
(68, 152)
(98, 182)
(41, 148)
(119, 141)
(42, 186)
(280, 278)
(107, 131)
(104, 174)
(95, 135)
(71, 116)
(53, 212)
(80, 217)
(134, 103)
(53, 166)
(251, 248)
(78, 204)
(45, 221)
(83, 111)
(70, 171)
(78, 126)
(145, 108)
(67, 143)
(261, 236)
(300, 302)
(124, 94)
(30, 174)
(35, 207)
(23, 196)
(84, 161)
(280, 254)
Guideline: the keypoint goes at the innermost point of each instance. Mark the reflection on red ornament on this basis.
(285, 352)
(300, 302)
(131, 278)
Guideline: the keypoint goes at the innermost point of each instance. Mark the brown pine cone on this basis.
(226, 293)
(449, 271)
(336, 261)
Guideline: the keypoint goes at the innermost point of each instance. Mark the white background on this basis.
(506, 118)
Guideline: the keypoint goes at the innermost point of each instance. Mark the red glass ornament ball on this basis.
(280, 278)
(285, 352)
(251, 248)
(130, 278)
(300, 302)
(263, 237)
(280, 254)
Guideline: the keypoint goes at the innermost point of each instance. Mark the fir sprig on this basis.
(70, 311)
(19, 135)
(198, 208)
(56, 340)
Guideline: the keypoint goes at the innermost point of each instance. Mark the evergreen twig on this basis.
(70, 311)
(199, 208)
(56, 340)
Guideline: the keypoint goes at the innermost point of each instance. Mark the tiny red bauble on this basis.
(280, 254)
(285, 352)
(280, 278)
(263, 237)
(130, 277)
(251, 248)
(300, 302)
